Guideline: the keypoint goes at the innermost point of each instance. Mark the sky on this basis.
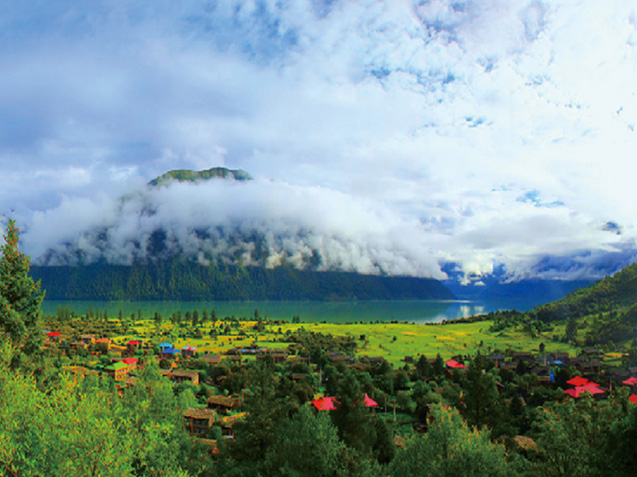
(457, 139)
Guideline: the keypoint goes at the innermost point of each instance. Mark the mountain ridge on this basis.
(188, 175)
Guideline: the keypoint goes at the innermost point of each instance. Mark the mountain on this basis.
(543, 290)
(186, 280)
(611, 294)
(163, 244)
(186, 175)
(600, 314)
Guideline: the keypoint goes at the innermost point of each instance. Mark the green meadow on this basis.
(393, 341)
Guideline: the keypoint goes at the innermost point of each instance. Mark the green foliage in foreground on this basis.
(72, 427)
(450, 448)
(20, 302)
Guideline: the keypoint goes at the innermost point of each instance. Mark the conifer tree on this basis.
(20, 298)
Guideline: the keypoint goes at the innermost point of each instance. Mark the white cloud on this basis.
(409, 113)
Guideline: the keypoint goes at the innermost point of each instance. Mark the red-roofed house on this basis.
(577, 381)
(453, 364)
(133, 345)
(54, 336)
(324, 404)
(131, 362)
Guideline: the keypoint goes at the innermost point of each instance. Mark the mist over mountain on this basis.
(224, 217)
(221, 216)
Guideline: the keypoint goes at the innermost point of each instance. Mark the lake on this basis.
(419, 311)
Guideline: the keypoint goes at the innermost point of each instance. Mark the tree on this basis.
(571, 329)
(352, 419)
(480, 402)
(450, 448)
(439, 366)
(307, 446)
(576, 438)
(20, 298)
(255, 435)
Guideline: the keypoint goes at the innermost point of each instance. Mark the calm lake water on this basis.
(419, 311)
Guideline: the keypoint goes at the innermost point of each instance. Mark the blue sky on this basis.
(390, 136)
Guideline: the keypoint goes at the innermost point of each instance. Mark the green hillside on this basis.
(183, 280)
(186, 175)
(604, 313)
(612, 294)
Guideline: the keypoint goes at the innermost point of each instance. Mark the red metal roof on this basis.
(577, 381)
(369, 402)
(324, 404)
(587, 388)
(452, 363)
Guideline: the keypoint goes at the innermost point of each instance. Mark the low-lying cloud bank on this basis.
(267, 223)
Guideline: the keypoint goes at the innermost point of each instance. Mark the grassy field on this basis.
(392, 341)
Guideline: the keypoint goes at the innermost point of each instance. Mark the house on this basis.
(102, 345)
(133, 345)
(88, 339)
(188, 351)
(117, 370)
(76, 345)
(211, 359)
(299, 376)
(169, 353)
(131, 362)
(453, 364)
(181, 375)
(497, 359)
(198, 421)
(358, 367)
(373, 360)
(54, 336)
(341, 358)
(277, 357)
(522, 356)
(222, 403)
(233, 359)
(592, 352)
(227, 424)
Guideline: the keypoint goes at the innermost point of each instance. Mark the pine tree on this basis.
(20, 298)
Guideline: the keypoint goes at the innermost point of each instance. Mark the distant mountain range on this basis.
(544, 290)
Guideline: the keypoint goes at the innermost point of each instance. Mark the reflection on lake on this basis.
(419, 311)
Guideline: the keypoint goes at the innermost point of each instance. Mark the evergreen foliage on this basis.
(20, 299)
(181, 280)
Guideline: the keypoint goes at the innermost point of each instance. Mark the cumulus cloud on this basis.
(402, 137)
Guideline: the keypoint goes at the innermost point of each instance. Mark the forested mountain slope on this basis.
(613, 293)
(183, 280)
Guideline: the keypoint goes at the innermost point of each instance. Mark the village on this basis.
(218, 379)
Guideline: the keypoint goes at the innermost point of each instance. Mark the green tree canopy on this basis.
(20, 298)
(450, 448)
